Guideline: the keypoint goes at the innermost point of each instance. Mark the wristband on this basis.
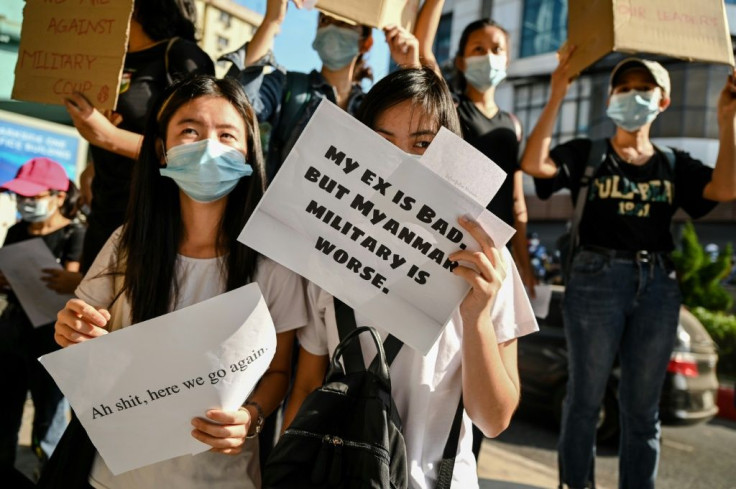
(259, 420)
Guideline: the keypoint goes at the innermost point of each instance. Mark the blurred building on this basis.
(224, 26)
(538, 28)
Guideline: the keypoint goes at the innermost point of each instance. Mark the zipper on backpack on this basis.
(336, 441)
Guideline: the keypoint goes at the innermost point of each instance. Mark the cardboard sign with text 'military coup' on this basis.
(686, 29)
(71, 46)
(374, 13)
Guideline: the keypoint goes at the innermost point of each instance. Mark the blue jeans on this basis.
(616, 307)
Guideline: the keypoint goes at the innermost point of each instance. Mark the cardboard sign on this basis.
(72, 46)
(375, 226)
(695, 31)
(374, 13)
(136, 390)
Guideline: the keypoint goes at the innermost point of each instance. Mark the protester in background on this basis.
(475, 354)
(179, 247)
(482, 58)
(288, 100)
(622, 297)
(47, 204)
(158, 53)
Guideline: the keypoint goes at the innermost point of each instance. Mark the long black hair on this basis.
(153, 229)
(164, 19)
(422, 86)
(459, 81)
(70, 207)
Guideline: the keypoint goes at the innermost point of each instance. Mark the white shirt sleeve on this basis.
(284, 293)
(313, 337)
(512, 314)
(97, 286)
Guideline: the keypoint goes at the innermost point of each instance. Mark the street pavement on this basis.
(524, 457)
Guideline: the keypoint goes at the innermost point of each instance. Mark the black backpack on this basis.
(347, 434)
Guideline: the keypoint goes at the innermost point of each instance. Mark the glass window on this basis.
(225, 18)
(222, 43)
(544, 27)
(442, 49)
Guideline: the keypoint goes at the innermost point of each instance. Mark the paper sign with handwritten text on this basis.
(72, 46)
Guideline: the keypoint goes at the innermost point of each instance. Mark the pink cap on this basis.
(37, 176)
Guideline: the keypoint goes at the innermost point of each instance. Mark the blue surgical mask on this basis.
(206, 170)
(634, 109)
(486, 71)
(336, 46)
(34, 210)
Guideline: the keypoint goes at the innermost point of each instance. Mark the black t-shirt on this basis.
(144, 79)
(65, 243)
(496, 138)
(630, 207)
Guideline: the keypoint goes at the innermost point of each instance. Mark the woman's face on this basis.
(208, 117)
(407, 126)
(488, 40)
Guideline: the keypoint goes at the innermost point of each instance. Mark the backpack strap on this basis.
(668, 153)
(598, 151)
(447, 464)
(352, 354)
(517, 126)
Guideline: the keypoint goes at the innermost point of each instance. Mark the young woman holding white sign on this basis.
(475, 356)
(177, 248)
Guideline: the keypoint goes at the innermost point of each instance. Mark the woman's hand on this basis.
(486, 280)
(90, 122)
(403, 45)
(561, 78)
(79, 322)
(224, 431)
(61, 281)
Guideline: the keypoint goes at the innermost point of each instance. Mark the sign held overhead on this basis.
(695, 31)
(72, 46)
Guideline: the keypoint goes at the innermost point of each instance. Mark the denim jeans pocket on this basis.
(589, 263)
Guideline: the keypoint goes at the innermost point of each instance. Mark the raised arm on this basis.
(101, 130)
(426, 29)
(262, 41)
(722, 187)
(536, 160)
(490, 375)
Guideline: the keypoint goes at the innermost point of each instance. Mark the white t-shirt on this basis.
(426, 389)
(199, 279)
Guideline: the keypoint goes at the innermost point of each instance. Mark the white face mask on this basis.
(35, 210)
(634, 109)
(485, 71)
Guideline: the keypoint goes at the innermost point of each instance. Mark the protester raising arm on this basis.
(536, 160)
(426, 29)
(722, 187)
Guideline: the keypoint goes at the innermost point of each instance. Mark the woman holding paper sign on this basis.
(179, 247)
(622, 298)
(158, 52)
(288, 100)
(47, 204)
(475, 355)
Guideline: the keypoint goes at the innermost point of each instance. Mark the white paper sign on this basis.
(21, 263)
(136, 390)
(371, 225)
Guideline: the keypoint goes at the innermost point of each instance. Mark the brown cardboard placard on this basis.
(695, 31)
(374, 13)
(72, 45)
